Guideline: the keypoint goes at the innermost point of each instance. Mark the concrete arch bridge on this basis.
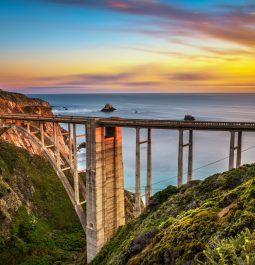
(102, 188)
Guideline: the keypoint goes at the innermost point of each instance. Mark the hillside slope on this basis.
(38, 224)
(181, 223)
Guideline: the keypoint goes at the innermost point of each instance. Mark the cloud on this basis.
(131, 77)
(187, 76)
(232, 23)
(138, 7)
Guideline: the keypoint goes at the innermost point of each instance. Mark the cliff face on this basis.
(203, 222)
(19, 103)
(12, 103)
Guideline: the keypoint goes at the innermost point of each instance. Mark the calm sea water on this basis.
(208, 146)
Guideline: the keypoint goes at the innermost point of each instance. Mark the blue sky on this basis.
(64, 44)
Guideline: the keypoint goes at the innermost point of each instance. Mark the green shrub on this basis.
(239, 250)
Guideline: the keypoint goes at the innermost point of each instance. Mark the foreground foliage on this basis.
(198, 223)
(237, 250)
(38, 224)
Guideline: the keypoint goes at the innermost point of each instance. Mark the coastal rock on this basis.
(108, 108)
(81, 146)
(189, 118)
(18, 103)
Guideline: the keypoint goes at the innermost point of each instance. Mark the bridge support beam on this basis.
(42, 134)
(104, 185)
(148, 192)
(190, 156)
(180, 157)
(75, 167)
(238, 149)
(137, 175)
(70, 146)
(56, 143)
(231, 150)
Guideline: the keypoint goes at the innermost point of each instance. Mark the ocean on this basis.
(210, 148)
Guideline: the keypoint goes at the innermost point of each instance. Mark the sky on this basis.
(91, 46)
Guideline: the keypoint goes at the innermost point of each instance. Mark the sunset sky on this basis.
(80, 46)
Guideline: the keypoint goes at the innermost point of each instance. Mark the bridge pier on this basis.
(75, 166)
(70, 146)
(239, 150)
(148, 192)
(104, 185)
(232, 149)
(148, 188)
(180, 157)
(137, 175)
(56, 143)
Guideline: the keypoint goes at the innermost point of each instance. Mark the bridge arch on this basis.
(55, 164)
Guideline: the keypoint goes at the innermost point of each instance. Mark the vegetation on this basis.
(238, 250)
(39, 226)
(202, 222)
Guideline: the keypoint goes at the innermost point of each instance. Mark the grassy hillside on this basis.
(203, 222)
(38, 224)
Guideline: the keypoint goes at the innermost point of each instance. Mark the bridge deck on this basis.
(141, 123)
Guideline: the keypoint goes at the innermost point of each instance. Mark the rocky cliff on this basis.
(15, 103)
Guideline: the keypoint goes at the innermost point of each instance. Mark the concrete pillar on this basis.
(92, 229)
(190, 156)
(149, 169)
(42, 134)
(70, 145)
(75, 167)
(180, 158)
(137, 175)
(56, 144)
(104, 185)
(239, 150)
(119, 181)
(232, 150)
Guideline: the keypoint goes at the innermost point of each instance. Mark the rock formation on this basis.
(18, 103)
(108, 108)
(189, 118)
(81, 146)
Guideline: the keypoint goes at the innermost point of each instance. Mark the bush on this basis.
(239, 250)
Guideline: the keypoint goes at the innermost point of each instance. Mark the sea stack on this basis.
(108, 108)
(189, 118)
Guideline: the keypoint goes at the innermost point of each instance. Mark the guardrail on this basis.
(134, 123)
